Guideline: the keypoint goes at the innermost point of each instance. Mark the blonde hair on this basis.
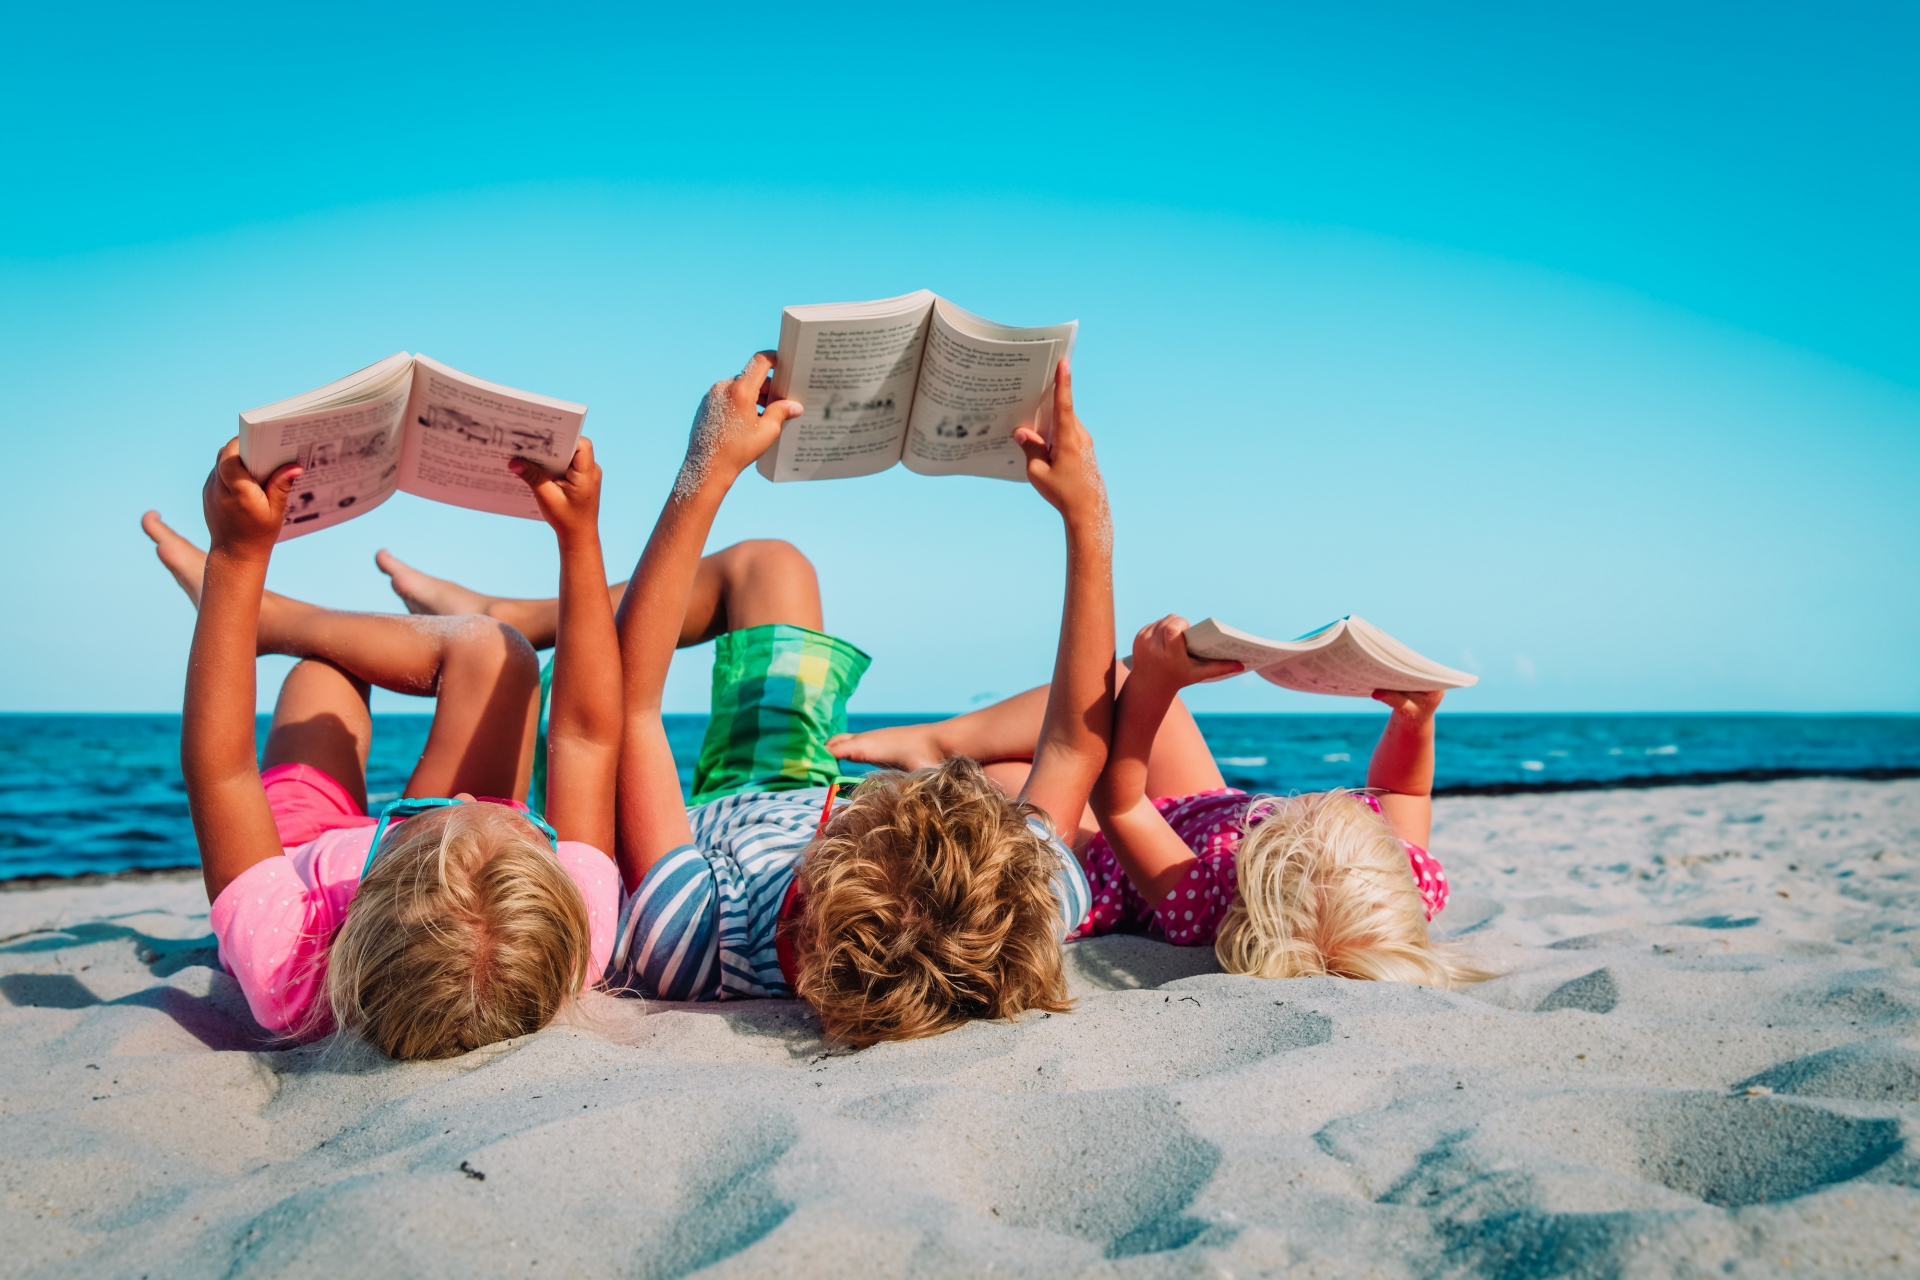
(929, 902)
(467, 931)
(1325, 890)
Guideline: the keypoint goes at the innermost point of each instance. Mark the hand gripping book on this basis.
(407, 423)
(913, 380)
(1349, 658)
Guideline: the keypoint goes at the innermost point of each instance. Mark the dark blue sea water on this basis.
(100, 793)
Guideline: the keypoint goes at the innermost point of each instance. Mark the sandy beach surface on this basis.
(1703, 1058)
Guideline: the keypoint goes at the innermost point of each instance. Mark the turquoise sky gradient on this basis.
(1581, 350)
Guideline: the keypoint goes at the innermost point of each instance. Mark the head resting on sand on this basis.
(1325, 891)
(466, 931)
(929, 901)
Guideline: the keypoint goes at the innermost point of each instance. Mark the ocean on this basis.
(102, 793)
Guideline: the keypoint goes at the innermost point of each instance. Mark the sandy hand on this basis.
(731, 431)
(570, 501)
(244, 515)
(1161, 659)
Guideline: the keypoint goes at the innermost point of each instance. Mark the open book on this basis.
(412, 423)
(1349, 658)
(913, 380)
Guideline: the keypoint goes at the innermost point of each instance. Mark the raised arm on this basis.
(1402, 764)
(584, 720)
(729, 432)
(1154, 857)
(1079, 717)
(231, 821)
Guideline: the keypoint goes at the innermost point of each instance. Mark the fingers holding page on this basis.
(1160, 656)
(571, 500)
(240, 511)
(731, 429)
(1417, 704)
(1063, 467)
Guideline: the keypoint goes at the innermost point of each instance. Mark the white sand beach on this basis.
(1703, 1057)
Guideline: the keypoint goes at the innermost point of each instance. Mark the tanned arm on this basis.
(729, 433)
(584, 720)
(1079, 717)
(1402, 764)
(1154, 857)
(231, 821)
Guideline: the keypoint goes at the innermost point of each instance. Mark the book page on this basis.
(1210, 638)
(1342, 669)
(1415, 671)
(461, 430)
(349, 454)
(975, 388)
(1347, 658)
(855, 374)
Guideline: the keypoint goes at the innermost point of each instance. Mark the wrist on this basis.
(705, 481)
(1087, 516)
(578, 539)
(243, 556)
(1149, 690)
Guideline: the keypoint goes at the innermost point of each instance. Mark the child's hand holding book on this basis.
(570, 501)
(243, 515)
(1062, 466)
(1161, 662)
(730, 431)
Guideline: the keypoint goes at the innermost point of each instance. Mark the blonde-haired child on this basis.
(1331, 883)
(464, 922)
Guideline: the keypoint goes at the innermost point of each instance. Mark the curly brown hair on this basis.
(929, 902)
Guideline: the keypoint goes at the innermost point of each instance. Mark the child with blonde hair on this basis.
(1331, 883)
(451, 921)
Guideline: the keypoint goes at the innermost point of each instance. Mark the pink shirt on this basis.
(276, 919)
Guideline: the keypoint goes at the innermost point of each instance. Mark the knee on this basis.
(487, 644)
(769, 558)
(316, 678)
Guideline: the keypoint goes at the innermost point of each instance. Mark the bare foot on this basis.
(423, 593)
(186, 562)
(907, 746)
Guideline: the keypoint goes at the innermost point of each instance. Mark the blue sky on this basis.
(1579, 348)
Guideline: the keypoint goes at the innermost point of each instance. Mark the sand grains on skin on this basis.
(1703, 1055)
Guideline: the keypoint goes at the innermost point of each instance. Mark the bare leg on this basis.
(537, 620)
(1007, 731)
(752, 584)
(744, 585)
(482, 671)
(321, 719)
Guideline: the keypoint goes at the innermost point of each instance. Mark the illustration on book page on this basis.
(342, 472)
(462, 435)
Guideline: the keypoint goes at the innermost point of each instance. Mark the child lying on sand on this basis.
(469, 923)
(1332, 883)
(924, 899)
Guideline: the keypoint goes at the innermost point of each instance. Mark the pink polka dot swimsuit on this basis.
(1209, 824)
